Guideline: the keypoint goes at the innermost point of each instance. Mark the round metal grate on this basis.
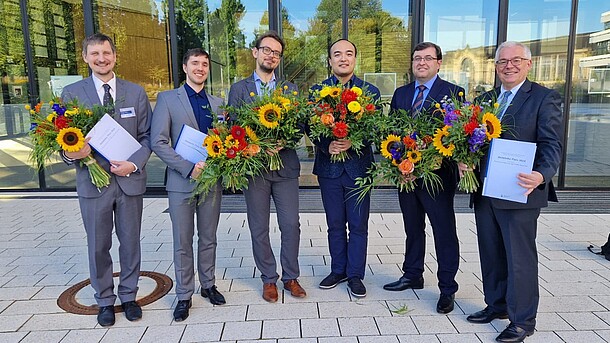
(67, 299)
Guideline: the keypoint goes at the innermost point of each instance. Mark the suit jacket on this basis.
(172, 111)
(403, 98)
(239, 94)
(127, 95)
(357, 164)
(534, 115)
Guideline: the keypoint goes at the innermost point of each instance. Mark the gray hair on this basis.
(510, 44)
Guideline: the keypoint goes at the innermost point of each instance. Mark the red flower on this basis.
(322, 109)
(242, 144)
(238, 132)
(61, 122)
(342, 109)
(370, 108)
(469, 128)
(216, 132)
(348, 96)
(340, 130)
(409, 142)
(231, 153)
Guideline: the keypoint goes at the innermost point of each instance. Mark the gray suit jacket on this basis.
(172, 111)
(240, 94)
(127, 95)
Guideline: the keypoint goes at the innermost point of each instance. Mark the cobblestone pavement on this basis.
(43, 252)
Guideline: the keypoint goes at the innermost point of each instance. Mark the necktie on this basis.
(107, 101)
(419, 100)
(503, 103)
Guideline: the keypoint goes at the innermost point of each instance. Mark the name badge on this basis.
(127, 112)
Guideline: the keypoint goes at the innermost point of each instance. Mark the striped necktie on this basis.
(503, 103)
(419, 100)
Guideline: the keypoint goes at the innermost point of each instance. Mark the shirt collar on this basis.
(350, 83)
(513, 90)
(258, 78)
(428, 83)
(99, 83)
(191, 92)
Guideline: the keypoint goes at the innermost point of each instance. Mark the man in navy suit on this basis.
(282, 185)
(337, 179)
(506, 230)
(121, 202)
(419, 98)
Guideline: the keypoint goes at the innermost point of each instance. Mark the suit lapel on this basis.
(89, 88)
(519, 99)
(186, 104)
(120, 96)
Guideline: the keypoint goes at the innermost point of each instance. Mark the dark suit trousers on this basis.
(509, 260)
(414, 206)
(347, 250)
(98, 214)
(182, 212)
(285, 193)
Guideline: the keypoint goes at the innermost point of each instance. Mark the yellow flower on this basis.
(70, 139)
(231, 142)
(496, 105)
(357, 90)
(51, 103)
(461, 94)
(437, 105)
(414, 156)
(438, 142)
(51, 116)
(295, 93)
(324, 92)
(493, 128)
(335, 92)
(71, 112)
(285, 87)
(284, 101)
(387, 144)
(269, 115)
(354, 107)
(27, 107)
(252, 94)
(88, 112)
(251, 134)
(213, 145)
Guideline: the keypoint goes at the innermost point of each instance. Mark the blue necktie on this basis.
(419, 100)
(503, 103)
(107, 100)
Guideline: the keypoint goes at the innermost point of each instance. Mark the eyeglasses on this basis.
(267, 51)
(428, 58)
(515, 61)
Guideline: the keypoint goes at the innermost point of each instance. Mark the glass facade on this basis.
(41, 52)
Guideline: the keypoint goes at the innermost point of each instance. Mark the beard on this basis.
(265, 68)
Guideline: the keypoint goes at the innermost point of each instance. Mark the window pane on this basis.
(588, 156)
(467, 36)
(15, 171)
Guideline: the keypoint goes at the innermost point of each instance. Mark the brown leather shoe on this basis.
(295, 289)
(270, 292)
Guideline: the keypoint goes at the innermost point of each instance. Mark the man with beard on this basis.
(282, 185)
(337, 180)
(189, 105)
(121, 201)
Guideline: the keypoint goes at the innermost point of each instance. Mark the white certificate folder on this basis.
(112, 141)
(190, 144)
(508, 158)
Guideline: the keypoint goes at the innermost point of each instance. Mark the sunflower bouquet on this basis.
(233, 156)
(465, 137)
(63, 127)
(275, 117)
(409, 156)
(343, 113)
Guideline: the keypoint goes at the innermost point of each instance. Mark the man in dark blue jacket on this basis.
(419, 98)
(337, 179)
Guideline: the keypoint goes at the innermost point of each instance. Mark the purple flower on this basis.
(396, 153)
(60, 110)
(476, 140)
(450, 117)
(33, 126)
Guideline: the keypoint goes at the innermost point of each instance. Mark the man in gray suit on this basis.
(282, 185)
(122, 199)
(189, 105)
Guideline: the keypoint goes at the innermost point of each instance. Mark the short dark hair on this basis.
(98, 38)
(269, 34)
(194, 52)
(426, 45)
(339, 40)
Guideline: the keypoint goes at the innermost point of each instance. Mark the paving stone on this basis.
(202, 333)
(277, 329)
(132, 334)
(44, 336)
(242, 330)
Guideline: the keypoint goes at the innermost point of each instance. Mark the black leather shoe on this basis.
(181, 312)
(485, 316)
(404, 283)
(332, 280)
(132, 310)
(105, 315)
(356, 287)
(513, 334)
(214, 295)
(445, 303)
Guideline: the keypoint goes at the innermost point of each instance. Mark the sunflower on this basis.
(354, 107)
(324, 92)
(492, 125)
(387, 144)
(269, 115)
(334, 92)
(285, 102)
(231, 142)
(251, 134)
(414, 156)
(213, 145)
(438, 142)
(71, 139)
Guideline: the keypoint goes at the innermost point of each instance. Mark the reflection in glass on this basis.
(467, 36)
(588, 156)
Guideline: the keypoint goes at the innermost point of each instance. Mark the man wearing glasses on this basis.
(282, 185)
(419, 98)
(506, 230)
